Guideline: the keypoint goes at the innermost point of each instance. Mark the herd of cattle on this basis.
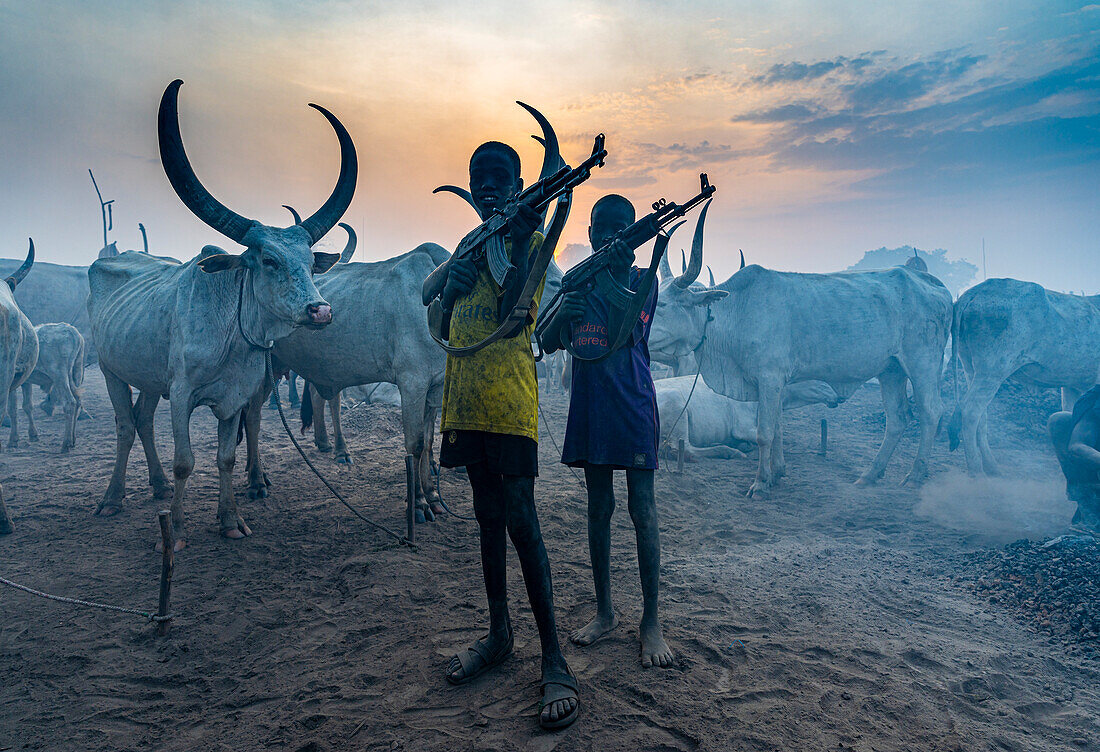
(218, 329)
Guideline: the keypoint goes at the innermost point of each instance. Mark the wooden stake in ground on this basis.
(166, 564)
(410, 501)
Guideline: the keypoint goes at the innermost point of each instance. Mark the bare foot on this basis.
(595, 630)
(655, 651)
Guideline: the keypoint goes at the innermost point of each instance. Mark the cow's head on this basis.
(278, 261)
(25, 267)
(681, 315)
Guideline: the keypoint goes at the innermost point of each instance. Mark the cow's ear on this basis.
(322, 262)
(706, 297)
(219, 262)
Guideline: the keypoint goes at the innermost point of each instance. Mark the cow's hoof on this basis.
(240, 530)
(108, 509)
(418, 515)
(436, 508)
(865, 480)
(324, 449)
(32, 437)
(83, 415)
(917, 476)
(758, 489)
(257, 492)
(343, 459)
(162, 492)
(179, 545)
(6, 527)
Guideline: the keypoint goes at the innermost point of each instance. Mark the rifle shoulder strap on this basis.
(513, 322)
(634, 309)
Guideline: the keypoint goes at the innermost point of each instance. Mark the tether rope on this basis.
(89, 604)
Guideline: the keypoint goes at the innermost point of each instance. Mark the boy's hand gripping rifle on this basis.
(595, 270)
(486, 243)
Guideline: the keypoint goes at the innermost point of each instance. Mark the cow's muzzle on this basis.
(320, 314)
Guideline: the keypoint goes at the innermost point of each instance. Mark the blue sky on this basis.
(829, 128)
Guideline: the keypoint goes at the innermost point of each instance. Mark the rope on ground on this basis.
(282, 416)
(89, 604)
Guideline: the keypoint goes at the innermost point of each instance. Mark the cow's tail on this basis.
(954, 426)
(306, 406)
(77, 372)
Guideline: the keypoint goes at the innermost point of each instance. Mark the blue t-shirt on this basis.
(612, 407)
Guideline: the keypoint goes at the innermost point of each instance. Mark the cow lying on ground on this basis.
(717, 427)
(198, 333)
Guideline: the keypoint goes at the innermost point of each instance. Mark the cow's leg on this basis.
(183, 461)
(28, 410)
(768, 411)
(779, 462)
(989, 462)
(425, 462)
(320, 433)
(70, 410)
(413, 400)
(13, 437)
(1069, 397)
(974, 406)
(257, 478)
(340, 448)
(5, 518)
(894, 400)
(292, 381)
(122, 401)
(144, 411)
(926, 393)
(274, 403)
(232, 524)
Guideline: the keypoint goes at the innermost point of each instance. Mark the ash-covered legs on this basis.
(505, 507)
(643, 513)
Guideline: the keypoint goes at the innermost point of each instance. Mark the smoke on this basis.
(1002, 509)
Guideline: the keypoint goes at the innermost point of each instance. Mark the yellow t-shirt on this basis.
(495, 389)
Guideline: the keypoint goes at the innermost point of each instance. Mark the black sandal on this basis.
(479, 653)
(569, 681)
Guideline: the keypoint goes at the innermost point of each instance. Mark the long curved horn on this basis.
(695, 265)
(664, 271)
(683, 262)
(325, 218)
(180, 174)
(462, 193)
(349, 249)
(144, 237)
(551, 160)
(293, 213)
(711, 273)
(21, 272)
(742, 260)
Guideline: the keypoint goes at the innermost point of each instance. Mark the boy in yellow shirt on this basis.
(490, 427)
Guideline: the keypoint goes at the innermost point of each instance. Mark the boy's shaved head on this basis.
(503, 150)
(614, 202)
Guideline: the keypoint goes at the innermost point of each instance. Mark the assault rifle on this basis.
(595, 269)
(486, 241)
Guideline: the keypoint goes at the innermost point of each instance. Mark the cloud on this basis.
(797, 72)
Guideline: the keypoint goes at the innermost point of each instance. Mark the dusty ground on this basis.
(821, 618)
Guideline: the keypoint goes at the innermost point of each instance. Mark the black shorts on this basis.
(504, 454)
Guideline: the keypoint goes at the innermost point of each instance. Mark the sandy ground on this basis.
(820, 618)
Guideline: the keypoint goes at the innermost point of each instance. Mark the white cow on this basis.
(59, 372)
(717, 427)
(761, 330)
(18, 355)
(1005, 328)
(198, 333)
